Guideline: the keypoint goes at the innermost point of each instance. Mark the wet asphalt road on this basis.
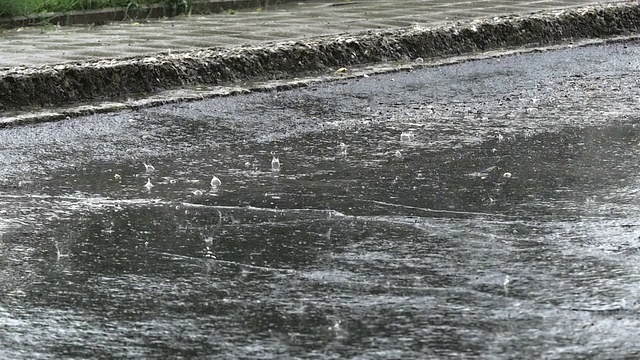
(480, 210)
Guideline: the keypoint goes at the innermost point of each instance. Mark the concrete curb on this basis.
(107, 79)
(177, 96)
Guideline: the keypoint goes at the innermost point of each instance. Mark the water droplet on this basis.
(149, 168)
(148, 185)
(59, 252)
(215, 182)
(406, 136)
(275, 164)
(208, 253)
(343, 149)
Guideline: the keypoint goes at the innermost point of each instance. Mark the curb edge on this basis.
(55, 85)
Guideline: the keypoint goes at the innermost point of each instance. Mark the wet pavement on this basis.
(37, 46)
(487, 209)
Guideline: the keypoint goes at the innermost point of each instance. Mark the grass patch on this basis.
(10, 8)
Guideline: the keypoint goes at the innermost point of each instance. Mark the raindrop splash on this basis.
(215, 182)
(208, 253)
(275, 164)
(406, 136)
(505, 285)
(59, 253)
(149, 168)
(343, 149)
(148, 185)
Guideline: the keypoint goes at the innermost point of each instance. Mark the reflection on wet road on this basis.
(486, 209)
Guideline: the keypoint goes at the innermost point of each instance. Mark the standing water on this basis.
(430, 238)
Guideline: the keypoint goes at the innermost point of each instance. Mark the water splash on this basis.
(215, 182)
(343, 149)
(275, 164)
(149, 185)
(407, 136)
(148, 168)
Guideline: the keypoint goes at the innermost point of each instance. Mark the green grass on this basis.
(10, 8)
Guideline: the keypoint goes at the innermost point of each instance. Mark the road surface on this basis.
(481, 210)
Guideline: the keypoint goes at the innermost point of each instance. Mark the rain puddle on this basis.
(389, 226)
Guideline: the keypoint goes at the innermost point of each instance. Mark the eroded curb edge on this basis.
(57, 85)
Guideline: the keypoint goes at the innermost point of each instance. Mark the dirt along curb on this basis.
(55, 85)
